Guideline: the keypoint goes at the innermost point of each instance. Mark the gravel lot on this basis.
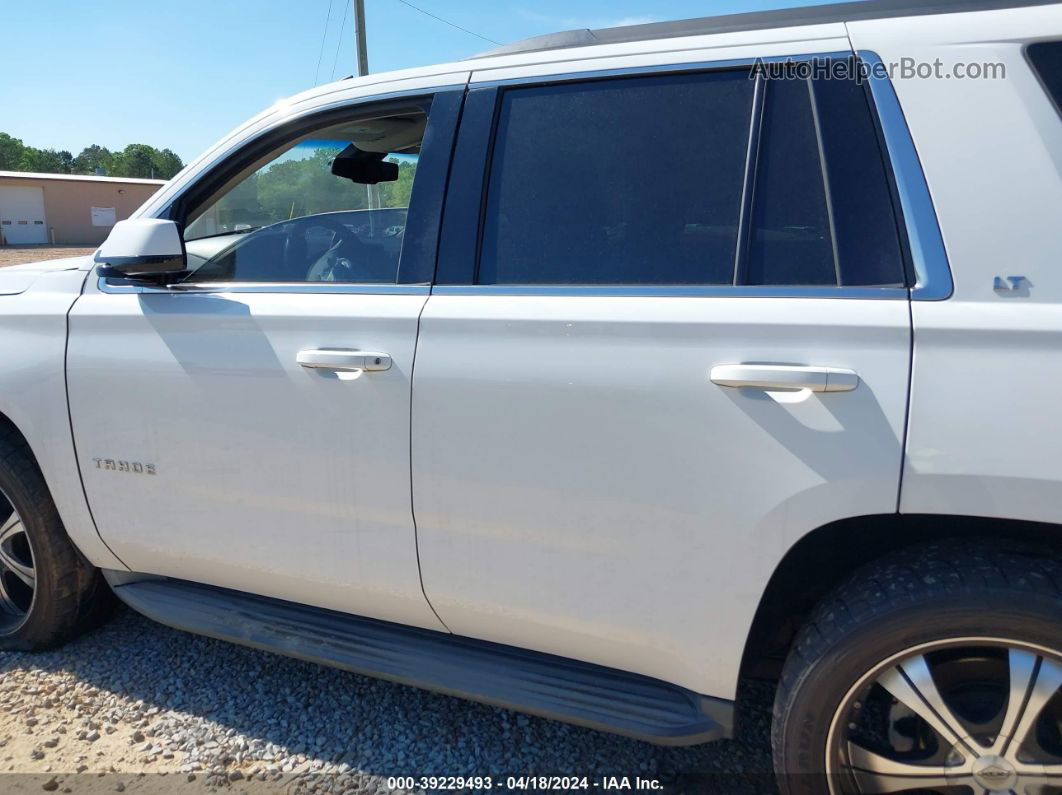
(16, 255)
(140, 707)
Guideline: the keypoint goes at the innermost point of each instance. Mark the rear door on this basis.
(581, 485)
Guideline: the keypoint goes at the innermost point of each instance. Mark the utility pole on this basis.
(372, 193)
(359, 37)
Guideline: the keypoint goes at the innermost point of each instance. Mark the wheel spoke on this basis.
(1048, 678)
(877, 773)
(911, 682)
(7, 529)
(1023, 671)
(7, 605)
(12, 528)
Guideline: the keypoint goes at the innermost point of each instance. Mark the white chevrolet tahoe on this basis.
(589, 376)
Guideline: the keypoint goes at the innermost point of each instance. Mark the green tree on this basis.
(136, 160)
(167, 164)
(46, 161)
(11, 150)
(92, 158)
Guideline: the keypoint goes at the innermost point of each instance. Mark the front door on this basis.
(249, 427)
(590, 478)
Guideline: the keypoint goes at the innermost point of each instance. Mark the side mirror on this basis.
(143, 249)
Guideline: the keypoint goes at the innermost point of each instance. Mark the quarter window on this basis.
(1046, 59)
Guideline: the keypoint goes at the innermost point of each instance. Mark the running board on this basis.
(504, 676)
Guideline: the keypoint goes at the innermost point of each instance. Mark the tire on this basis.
(67, 595)
(978, 624)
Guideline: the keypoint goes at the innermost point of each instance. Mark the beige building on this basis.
(66, 209)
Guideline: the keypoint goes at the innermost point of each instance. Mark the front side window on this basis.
(329, 206)
(687, 179)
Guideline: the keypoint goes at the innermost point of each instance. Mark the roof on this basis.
(80, 178)
(755, 20)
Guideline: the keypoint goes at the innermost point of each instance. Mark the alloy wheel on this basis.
(18, 574)
(976, 715)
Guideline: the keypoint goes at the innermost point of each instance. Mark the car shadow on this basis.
(378, 727)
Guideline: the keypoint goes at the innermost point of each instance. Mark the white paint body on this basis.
(575, 482)
(141, 237)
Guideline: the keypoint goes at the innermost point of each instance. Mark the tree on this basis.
(92, 158)
(11, 150)
(167, 164)
(46, 161)
(136, 160)
(145, 162)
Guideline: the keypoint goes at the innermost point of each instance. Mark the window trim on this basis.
(929, 258)
(919, 231)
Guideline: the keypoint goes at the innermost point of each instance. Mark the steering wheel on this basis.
(330, 267)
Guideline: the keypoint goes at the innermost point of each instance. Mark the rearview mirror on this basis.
(364, 168)
(143, 249)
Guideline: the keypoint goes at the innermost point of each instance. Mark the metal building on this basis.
(66, 209)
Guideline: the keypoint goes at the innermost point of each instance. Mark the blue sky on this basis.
(181, 73)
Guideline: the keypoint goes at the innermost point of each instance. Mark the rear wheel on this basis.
(933, 671)
(48, 591)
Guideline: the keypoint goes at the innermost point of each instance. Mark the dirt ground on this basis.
(16, 255)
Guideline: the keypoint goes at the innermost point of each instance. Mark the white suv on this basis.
(589, 376)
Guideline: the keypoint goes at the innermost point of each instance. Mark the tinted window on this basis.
(821, 205)
(866, 234)
(1046, 58)
(649, 181)
(790, 241)
(629, 181)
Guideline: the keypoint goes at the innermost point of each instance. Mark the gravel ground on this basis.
(17, 255)
(140, 707)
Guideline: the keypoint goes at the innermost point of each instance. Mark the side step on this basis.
(505, 676)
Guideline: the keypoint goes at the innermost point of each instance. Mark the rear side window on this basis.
(652, 181)
(1046, 60)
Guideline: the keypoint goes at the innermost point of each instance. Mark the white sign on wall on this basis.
(103, 216)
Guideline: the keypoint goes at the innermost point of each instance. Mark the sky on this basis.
(179, 74)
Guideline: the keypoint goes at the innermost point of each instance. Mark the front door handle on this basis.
(784, 376)
(343, 359)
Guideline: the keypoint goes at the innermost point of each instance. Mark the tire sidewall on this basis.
(25, 498)
(803, 720)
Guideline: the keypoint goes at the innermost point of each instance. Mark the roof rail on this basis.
(754, 20)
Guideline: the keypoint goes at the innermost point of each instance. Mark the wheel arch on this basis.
(834, 551)
(66, 492)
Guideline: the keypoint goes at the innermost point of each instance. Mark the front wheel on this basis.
(936, 671)
(48, 592)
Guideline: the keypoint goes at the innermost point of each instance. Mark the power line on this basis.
(448, 22)
(324, 35)
(339, 44)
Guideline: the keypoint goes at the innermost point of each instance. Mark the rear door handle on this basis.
(343, 359)
(784, 376)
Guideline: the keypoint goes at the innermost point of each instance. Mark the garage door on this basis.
(22, 216)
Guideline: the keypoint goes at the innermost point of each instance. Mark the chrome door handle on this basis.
(784, 376)
(343, 359)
